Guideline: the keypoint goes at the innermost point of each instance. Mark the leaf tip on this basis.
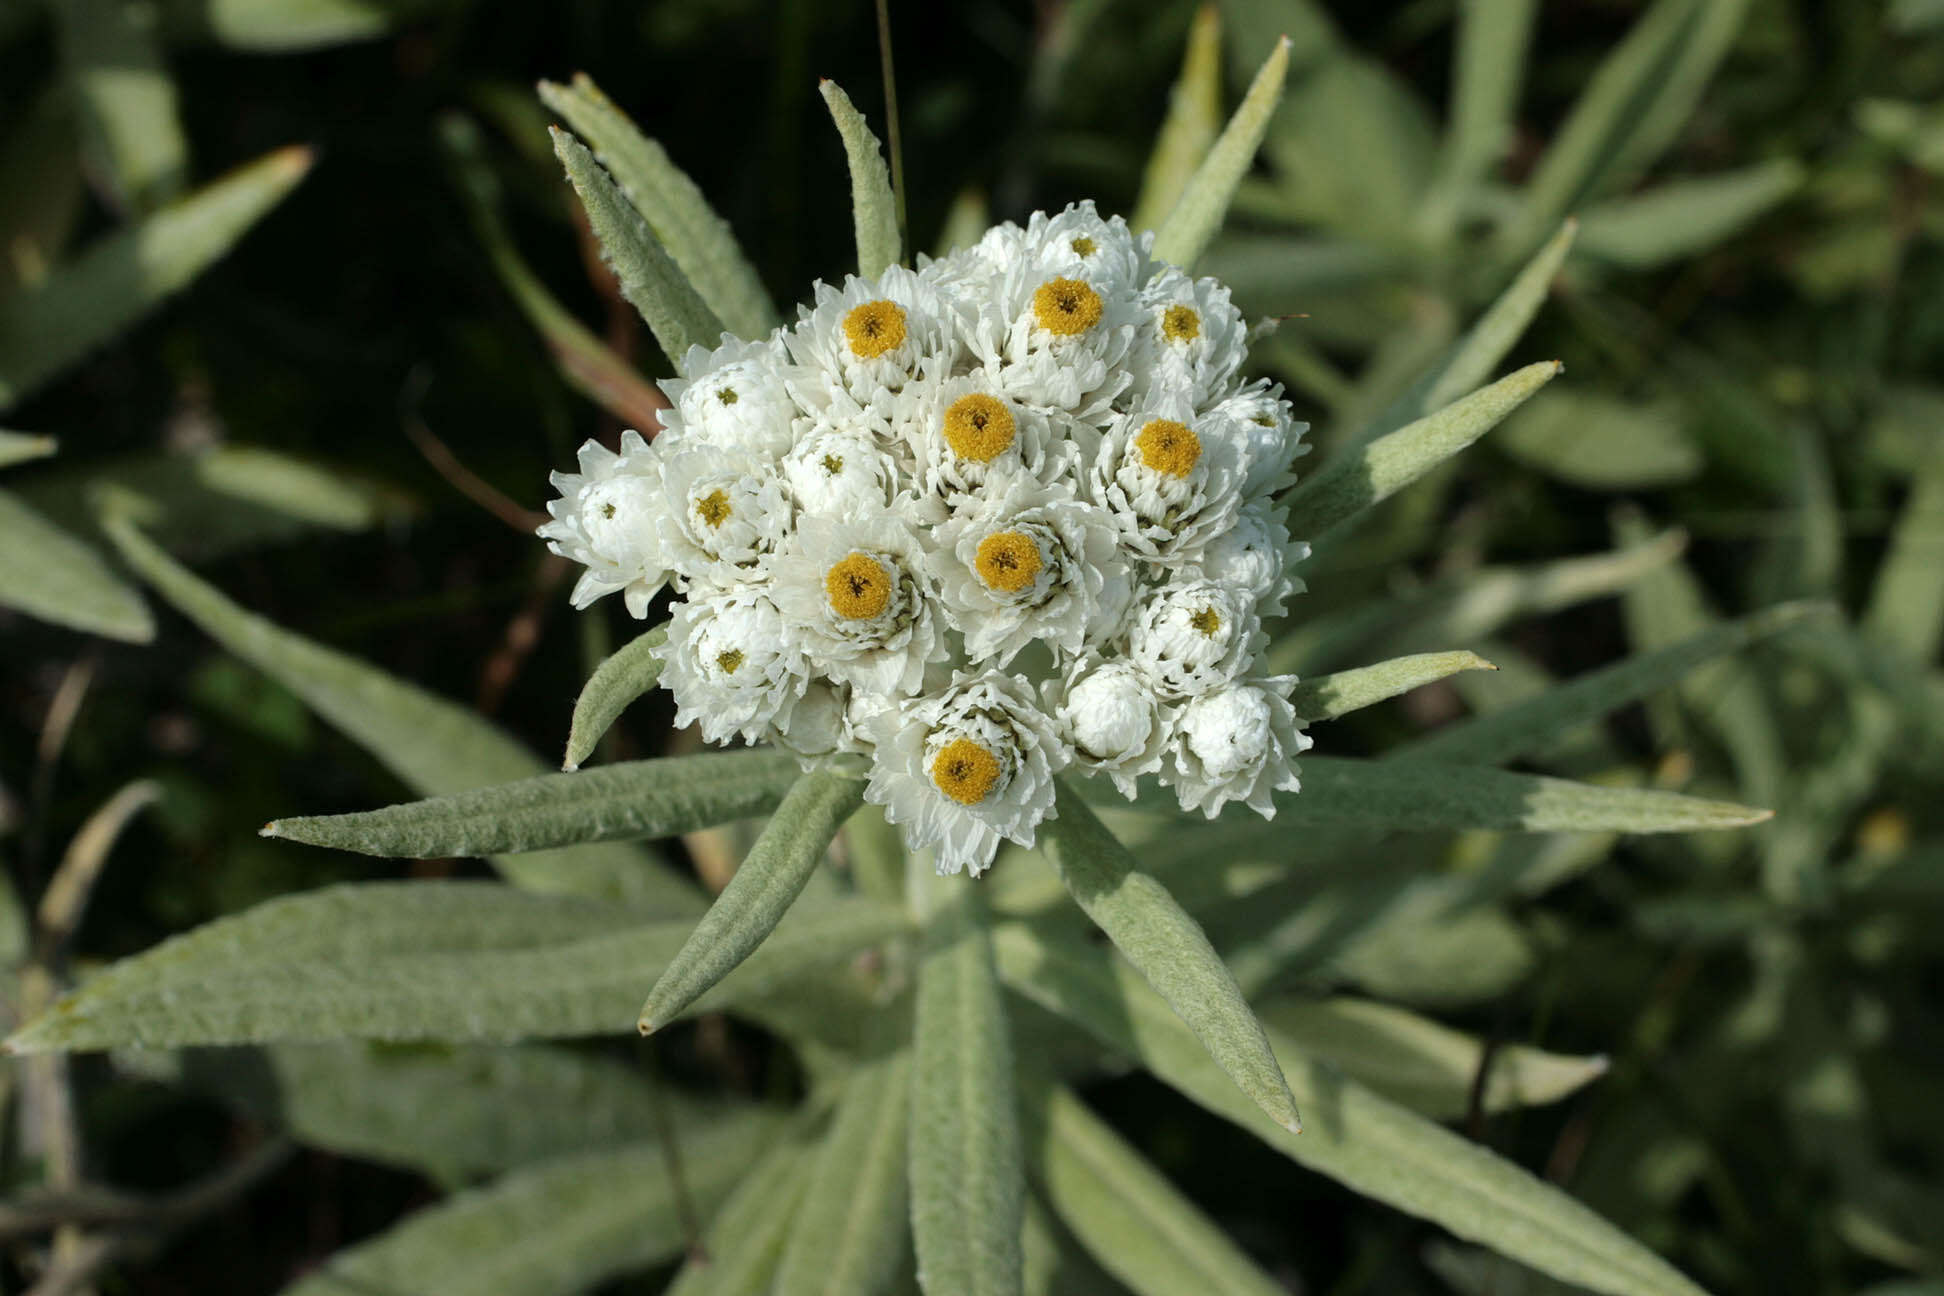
(270, 830)
(570, 766)
(647, 1025)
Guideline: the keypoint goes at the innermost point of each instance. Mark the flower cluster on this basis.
(1009, 513)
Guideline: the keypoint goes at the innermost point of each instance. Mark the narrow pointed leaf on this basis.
(111, 56)
(1376, 471)
(1488, 73)
(123, 276)
(1596, 442)
(1355, 1137)
(1135, 1223)
(18, 447)
(1193, 120)
(874, 209)
(435, 746)
(1523, 728)
(1683, 218)
(455, 961)
(1167, 946)
(630, 801)
(1906, 611)
(289, 26)
(625, 675)
(744, 1242)
(53, 576)
(1056, 1265)
(1330, 696)
(700, 241)
(560, 1226)
(652, 283)
(850, 1231)
(1191, 226)
(967, 1184)
(764, 887)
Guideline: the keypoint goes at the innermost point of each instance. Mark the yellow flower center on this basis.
(713, 508)
(874, 328)
(1168, 447)
(979, 427)
(1208, 621)
(859, 587)
(1082, 246)
(965, 771)
(1008, 560)
(727, 395)
(833, 464)
(727, 662)
(1067, 307)
(1180, 324)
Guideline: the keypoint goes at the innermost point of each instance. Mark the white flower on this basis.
(1169, 478)
(966, 767)
(819, 725)
(866, 340)
(1256, 554)
(1269, 441)
(1194, 635)
(727, 664)
(856, 601)
(1108, 712)
(1031, 563)
(738, 399)
(1057, 340)
(835, 471)
(960, 431)
(723, 511)
(608, 520)
(1190, 338)
(1236, 744)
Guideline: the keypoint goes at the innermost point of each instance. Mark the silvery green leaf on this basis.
(1488, 72)
(1329, 696)
(1352, 146)
(1421, 1064)
(1135, 1223)
(289, 26)
(433, 745)
(53, 576)
(1595, 442)
(1167, 946)
(967, 1184)
(1205, 198)
(111, 57)
(744, 1242)
(1374, 472)
(1188, 131)
(1682, 218)
(40, 172)
(1055, 1265)
(874, 208)
(623, 676)
(1514, 732)
(764, 886)
(559, 1226)
(1367, 1143)
(121, 277)
(850, 1232)
(629, 801)
(653, 284)
(1906, 610)
(700, 241)
(455, 961)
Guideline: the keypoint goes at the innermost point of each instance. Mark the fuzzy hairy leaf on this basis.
(86, 301)
(1682, 218)
(1188, 131)
(1187, 231)
(1596, 442)
(764, 887)
(560, 1226)
(18, 448)
(1330, 696)
(131, 131)
(1167, 946)
(625, 802)
(699, 240)
(850, 1232)
(1365, 1142)
(434, 745)
(623, 676)
(53, 576)
(874, 208)
(288, 26)
(1135, 1223)
(1906, 610)
(653, 284)
(744, 1242)
(967, 1185)
(1488, 71)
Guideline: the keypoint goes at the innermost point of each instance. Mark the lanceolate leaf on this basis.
(1194, 117)
(1597, 442)
(455, 961)
(1355, 1137)
(874, 208)
(51, 575)
(432, 744)
(1167, 946)
(761, 892)
(1488, 73)
(1136, 1224)
(1204, 202)
(17, 447)
(1685, 217)
(561, 1226)
(626, 674)
(625, 802)
(652, 283)
(850, 1231)
(699, 240)
(122, 277)
(967, 1185)
(1906, 611)
(1330, 696)
(744, 1242)
(111, 56)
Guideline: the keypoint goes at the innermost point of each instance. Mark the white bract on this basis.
(979, 522)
